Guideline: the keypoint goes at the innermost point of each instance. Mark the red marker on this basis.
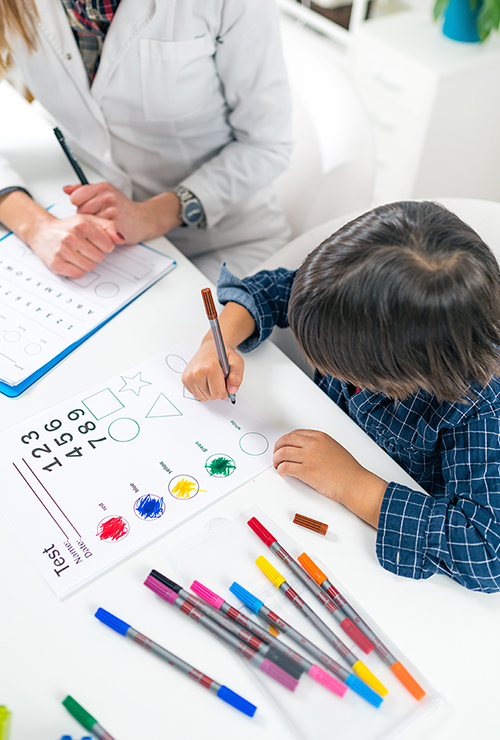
(344, 621)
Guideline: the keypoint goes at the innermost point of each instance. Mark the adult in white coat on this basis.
(187, 92)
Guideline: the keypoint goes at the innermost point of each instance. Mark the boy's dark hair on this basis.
(403, 298)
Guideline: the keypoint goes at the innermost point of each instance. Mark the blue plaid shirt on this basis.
(451, 449)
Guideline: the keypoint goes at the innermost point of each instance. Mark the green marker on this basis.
(4, 723)
(85, 719)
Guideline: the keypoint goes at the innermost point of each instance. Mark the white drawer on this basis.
(389, 73)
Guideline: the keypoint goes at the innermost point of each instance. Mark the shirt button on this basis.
(69, 57)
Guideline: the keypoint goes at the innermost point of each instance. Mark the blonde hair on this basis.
(17, 18)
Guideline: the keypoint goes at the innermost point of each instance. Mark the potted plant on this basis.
(468, 20)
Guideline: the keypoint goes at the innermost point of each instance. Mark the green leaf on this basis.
(439, 8)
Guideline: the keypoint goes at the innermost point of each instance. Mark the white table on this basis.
(51, 648)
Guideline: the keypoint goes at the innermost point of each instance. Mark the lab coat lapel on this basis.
(130, 19)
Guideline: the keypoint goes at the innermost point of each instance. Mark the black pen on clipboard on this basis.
(71, 157)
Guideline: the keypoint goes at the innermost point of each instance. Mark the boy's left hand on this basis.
(318, 460)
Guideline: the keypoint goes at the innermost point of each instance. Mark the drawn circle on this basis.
(220, 466)
(33, 349)
(107, 290)
(12, 336)
(149, 507)
(124, 429)
(183, 487)
(254, 443)
(112, 529)
(176, 363)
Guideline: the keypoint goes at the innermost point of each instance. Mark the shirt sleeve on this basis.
(265, 295)
(457, 534)
(258, 100)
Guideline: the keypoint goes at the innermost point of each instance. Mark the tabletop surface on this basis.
(52, 648)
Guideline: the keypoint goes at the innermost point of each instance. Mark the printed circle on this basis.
(149, 507)
(33, 349)
(107, 290)
(124, 429)
(254, 443)
(176, 363)
(183, 487)
(112, 529)
(220, 466)
(12, 336)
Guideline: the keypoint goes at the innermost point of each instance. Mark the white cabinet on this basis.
(435, 108)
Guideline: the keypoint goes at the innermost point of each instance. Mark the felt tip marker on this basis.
(382, 651)
(313, 671)
(357, 666)
(211, 312)
(345, 623)
(222, 692)
(284, 661)
(266, 665)
(85, 719)
(258, 607)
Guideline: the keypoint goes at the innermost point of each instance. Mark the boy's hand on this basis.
(318, 460)
(203, 376)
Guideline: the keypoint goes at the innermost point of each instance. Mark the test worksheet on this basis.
(93, 478)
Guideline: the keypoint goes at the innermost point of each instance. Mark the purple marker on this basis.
(230, 697)
(314, 671)
(264, 664)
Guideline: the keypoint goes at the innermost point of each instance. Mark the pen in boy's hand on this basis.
(208, 301)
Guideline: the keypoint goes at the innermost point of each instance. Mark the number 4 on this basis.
(75, 452)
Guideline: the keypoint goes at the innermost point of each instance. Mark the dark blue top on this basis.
(451, 449)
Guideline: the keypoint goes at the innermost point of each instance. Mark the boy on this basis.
(399, 311)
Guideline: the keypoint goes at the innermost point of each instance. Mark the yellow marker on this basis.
(357, 665)
(5, 716)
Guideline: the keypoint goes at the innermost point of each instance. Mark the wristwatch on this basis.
(191, 213)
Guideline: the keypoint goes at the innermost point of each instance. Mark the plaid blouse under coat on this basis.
(89, 21)
(451, 449)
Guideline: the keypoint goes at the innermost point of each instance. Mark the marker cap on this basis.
(237, 701)
(261, 531)
(269, 571)
(402, 674)
(116, 624)
(79, 713)
(367, 676)
(324, 678)
(311, 568)
(246, 597)
(209, 596)
(359, 686)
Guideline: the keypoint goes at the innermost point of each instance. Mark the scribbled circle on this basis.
(107, 290)
(183, 487)
(254, 443)
(176, 363)
(33, 349)
(220, 466)
(149, 507)
(124, 429)
(12, 336)
(112, 529)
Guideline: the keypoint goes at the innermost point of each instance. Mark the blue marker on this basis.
(221, 691)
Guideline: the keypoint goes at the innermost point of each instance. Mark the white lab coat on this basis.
(187, 91)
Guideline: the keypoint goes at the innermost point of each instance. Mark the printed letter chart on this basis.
(43, 314)
(92, 479)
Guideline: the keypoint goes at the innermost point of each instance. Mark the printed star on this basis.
(133, 384)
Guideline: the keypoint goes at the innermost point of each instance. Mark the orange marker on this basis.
(396, 667)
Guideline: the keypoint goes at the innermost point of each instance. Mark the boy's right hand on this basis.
(203, 376)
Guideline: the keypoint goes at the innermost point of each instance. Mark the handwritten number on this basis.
(89, 426)
(92, 442)
(53, 425)
(75, 452)
(51, 465)
(64, 439)
(26, 438)
(45, 448)
(75, 414)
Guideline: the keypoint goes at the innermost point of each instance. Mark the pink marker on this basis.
(264, 664)
(344, 621)
(314, 671)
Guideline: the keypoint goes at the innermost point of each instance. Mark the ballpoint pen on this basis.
(208, 301)
(71, 157)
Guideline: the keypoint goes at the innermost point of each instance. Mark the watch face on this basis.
(192, 212)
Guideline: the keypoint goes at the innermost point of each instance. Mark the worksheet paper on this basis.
(42, 314)
(92, 479)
